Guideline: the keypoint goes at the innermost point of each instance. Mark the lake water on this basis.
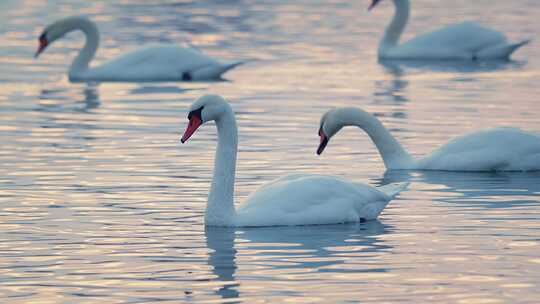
(101, 203)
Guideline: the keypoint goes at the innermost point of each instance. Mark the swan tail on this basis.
(213, 71)
(392, 190)
(230, 66)
(503, 51)
(514, 46)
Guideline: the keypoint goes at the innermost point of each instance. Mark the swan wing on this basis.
(499, 149)
(458, 41)
(311, 199)
(157, 63)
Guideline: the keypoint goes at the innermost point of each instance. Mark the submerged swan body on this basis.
(498, 149)
(299, 199)
(154, 63)
(462, 41)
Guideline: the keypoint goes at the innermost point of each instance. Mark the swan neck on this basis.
(392, 153)
(220, 209)
(81, 62)
(397, 25)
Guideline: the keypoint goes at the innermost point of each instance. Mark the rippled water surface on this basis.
(99, 202)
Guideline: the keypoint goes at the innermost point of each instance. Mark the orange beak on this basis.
(194, 123)
(42, 45)
(323, 142)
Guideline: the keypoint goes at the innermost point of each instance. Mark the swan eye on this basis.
(197, 113)
(43, 36)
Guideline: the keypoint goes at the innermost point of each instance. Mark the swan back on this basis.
(466, 40)
(499, 149)
(306, 199)
(160, 63)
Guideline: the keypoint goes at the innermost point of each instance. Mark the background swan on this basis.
(298, 199)
(155, 63)
(462, 41)
(499, 149)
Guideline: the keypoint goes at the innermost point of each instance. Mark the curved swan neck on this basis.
(397, 25)
(220, 209)
(393, 154)
(81, 62)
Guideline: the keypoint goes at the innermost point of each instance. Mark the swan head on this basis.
(330, 124)
(373, 4)
(51, 33)
(205, 109)
(55, 31)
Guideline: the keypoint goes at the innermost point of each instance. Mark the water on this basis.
(100, 201)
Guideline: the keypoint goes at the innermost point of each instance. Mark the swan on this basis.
(462, 41)
(155, 63)
(298, 199)
(498, 149)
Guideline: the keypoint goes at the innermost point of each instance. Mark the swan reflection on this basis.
(403, 68)
(487, 189)
(222, 259)
(312, 248)
(393, 90)
(91, 98)
(59, 99)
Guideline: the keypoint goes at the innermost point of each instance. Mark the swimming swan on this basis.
(498, 149)
(462, 41)
(299, 199)
(156, 63)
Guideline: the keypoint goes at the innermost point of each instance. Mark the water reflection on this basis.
(54, 100)
(180, 19)
(487, 189)
(68, 116)
(91, 98)
(158, 89)
(310, 248)
(402, 67)
(222, 259)
(391, 91)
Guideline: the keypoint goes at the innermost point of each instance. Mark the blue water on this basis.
(99, 202)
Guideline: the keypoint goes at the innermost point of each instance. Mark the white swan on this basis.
(156, 63)
(462, 41)
(298, 199)
(499, 149)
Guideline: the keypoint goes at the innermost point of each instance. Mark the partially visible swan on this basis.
(462, 41)
(499, 149)
(156, 63)
(299, 199)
